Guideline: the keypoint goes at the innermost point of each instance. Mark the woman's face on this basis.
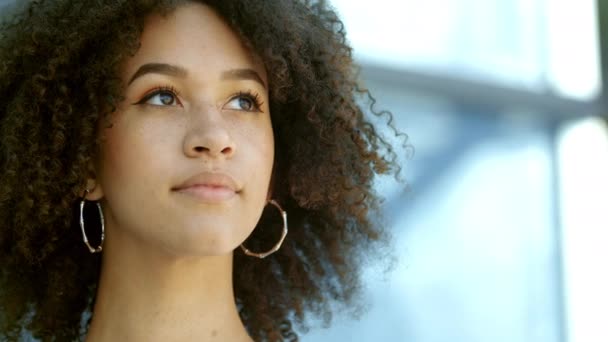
(186, 165)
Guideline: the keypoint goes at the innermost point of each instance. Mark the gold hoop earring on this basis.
(278, 245)
(84, 235)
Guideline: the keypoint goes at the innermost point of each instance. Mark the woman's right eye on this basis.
(162, 96)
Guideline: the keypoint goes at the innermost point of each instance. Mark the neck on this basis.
(148, 295)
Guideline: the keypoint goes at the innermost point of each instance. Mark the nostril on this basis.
(227, 150)
(199, 149)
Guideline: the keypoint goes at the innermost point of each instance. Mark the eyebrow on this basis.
(242, 74)
(159, 68)
(180, 72)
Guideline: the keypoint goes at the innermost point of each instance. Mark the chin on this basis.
(190, 251)
(208, 244)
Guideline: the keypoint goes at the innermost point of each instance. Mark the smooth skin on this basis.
(167, 257)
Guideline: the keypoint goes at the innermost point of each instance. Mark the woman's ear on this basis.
(95, 190)
(93, 185)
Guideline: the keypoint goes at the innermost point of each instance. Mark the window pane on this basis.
(541, 45)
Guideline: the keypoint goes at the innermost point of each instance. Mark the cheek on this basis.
(116, 158)
(120, 155)
(133, 154)
(264, 153)
(254, 161)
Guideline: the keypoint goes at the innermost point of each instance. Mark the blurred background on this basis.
(503, 234)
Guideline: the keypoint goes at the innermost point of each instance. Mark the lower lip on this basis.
(209, 193)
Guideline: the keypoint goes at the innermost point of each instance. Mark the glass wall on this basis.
(493, 237)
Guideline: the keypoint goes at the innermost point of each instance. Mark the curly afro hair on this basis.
(59, 63)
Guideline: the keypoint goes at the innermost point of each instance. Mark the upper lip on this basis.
(215, 179)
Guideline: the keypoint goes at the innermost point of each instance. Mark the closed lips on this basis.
(209, 179)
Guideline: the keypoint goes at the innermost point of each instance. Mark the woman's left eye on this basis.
(249, 102)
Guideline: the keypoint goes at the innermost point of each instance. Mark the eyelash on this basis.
(158, 90)
(249, 94)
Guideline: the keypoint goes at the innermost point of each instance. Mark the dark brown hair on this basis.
(59, 63)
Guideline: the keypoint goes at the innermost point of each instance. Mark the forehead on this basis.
(196, 37)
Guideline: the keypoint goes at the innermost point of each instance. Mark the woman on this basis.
(181, 170)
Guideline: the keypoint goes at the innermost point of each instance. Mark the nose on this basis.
(209, 136)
